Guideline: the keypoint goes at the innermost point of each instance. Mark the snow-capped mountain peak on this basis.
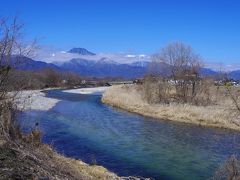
(81, 51)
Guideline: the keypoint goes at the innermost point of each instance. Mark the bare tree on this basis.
(156, 89)
(71, 79)
(234, 94)
(230, 90)
(178, 64)
(12, 47)
(52, 77)
(185, 68)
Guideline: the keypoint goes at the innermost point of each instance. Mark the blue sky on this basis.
(211, 27)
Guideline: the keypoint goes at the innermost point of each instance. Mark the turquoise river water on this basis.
(80, 126)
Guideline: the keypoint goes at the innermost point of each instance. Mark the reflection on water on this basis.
(81, 126)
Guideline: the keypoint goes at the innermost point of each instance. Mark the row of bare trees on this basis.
(21, 79)
(174, 75)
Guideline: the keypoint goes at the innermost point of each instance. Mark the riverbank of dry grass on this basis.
(31, 161)
(129, 98)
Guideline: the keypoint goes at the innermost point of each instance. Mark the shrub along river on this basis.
(80, 126)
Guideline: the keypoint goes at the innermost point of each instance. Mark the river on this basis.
(80, 126)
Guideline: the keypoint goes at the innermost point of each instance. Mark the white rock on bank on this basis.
(96, 90)
(35, 100)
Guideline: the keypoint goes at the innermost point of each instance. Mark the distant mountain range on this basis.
(103, 67)
(25, 63)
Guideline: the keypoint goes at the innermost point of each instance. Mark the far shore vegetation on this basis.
(174, 89)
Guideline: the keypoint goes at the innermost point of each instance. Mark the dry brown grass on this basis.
(29, 161)
(229, 170)
(221, 114)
